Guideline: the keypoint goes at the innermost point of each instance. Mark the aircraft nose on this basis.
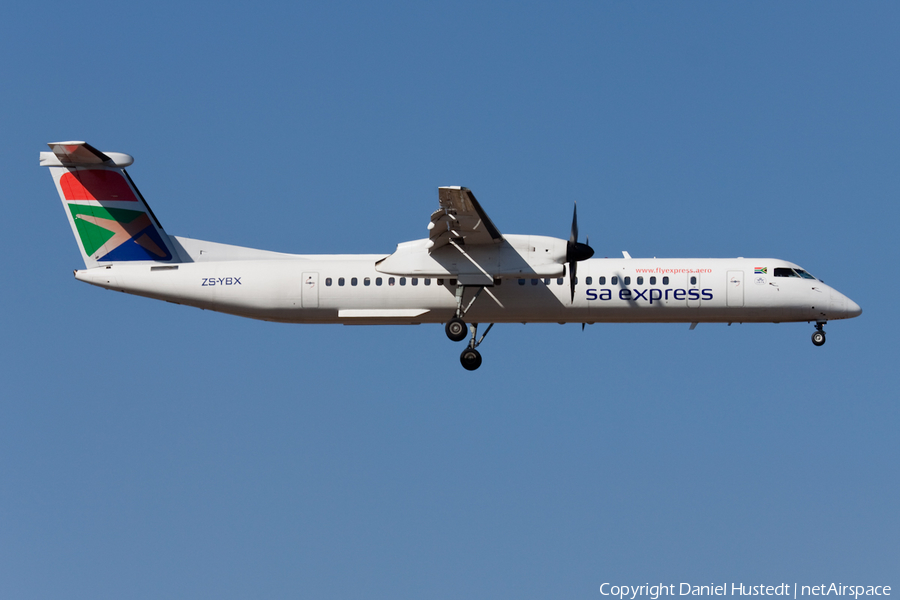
(843, 307)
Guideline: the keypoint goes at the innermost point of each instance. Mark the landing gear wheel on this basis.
(456, 329)
(818, 338)
(470, 359)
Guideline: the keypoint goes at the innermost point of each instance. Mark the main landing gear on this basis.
(456, 330)
(818, 336)
(470, 357)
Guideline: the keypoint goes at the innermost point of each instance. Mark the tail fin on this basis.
(109, 217)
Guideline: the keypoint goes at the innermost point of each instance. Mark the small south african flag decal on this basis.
(760, 270)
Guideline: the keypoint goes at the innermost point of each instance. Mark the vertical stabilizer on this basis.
(109, 217)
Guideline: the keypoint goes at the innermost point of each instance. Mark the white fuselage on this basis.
(350, 289)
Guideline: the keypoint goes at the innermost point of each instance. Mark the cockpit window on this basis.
(786, 272)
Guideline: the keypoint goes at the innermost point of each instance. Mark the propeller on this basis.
(576, 251)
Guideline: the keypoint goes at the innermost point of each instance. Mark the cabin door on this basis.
(309, 291)
(693, 300)
(734, 285)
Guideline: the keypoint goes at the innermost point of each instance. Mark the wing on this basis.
(460, 219)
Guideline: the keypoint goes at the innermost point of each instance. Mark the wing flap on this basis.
(460, 219)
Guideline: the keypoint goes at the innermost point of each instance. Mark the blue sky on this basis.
(150, 450)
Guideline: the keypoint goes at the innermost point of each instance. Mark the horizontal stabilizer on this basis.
(82, 154)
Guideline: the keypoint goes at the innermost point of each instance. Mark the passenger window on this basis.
(367, 281)
(353, 281)
(626, 280)
(653, 281)
(378, 281)
(547, 282)
(427, 281)
(693, 280)
(640, 281)
(403, 281)
(453, 282)
(588, 280)
(498, 281)
(521, 282)
(601, 281)
(340, 281)
(440, 282)
(328, 281)
(614, 280)
(415, 281)
(666, 280)
(391, 280)
(534, 281)
(559, 281)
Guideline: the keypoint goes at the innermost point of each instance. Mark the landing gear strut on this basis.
(456, 327)
(818, 336)
(470, 357)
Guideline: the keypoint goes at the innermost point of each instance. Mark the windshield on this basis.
(786, 272)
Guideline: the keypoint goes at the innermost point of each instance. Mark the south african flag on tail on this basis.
(108, 215)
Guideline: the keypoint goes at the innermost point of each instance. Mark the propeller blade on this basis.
(573, 237)
(573, 270)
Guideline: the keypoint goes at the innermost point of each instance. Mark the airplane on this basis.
(464, 273)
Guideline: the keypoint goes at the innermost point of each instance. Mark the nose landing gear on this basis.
(818, 336)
